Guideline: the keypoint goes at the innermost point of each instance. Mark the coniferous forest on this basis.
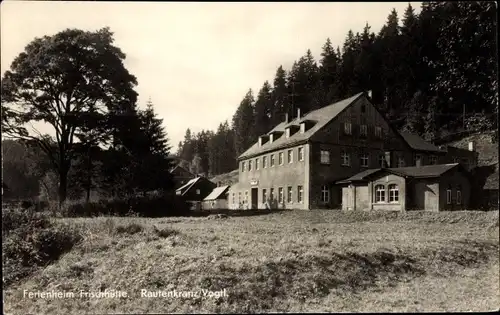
(431, 74)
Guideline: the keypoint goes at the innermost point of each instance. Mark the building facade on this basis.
(434, 188)
(297, 164)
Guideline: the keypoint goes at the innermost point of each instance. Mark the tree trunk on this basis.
(89, 177)
(63, 184)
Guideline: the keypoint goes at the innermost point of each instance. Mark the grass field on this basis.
(293, 261)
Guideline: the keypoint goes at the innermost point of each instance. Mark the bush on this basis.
(32, 240)
(154, 206)
(13, 219)
(132, 228)
(166, 232)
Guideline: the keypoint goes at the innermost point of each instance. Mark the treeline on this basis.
(75, 82)
(431, 74)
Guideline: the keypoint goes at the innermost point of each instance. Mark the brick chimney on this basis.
(298, 113)
(286, 118)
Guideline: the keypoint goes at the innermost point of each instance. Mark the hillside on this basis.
(226, 178)
(487, 149)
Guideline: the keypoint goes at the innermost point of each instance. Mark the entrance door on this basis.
(254, 198)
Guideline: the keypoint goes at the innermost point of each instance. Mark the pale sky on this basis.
(194, 60)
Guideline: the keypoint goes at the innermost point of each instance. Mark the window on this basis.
(246, 196)
(393, 193)
(401, 161)
(300, 192)
(243, 165)
(417, 160)
(301, 154)
(459, 195)
(448, 196)
(364, 159)
(280, 158)
(379, 193)
(289, 195)
(381, 160)
(272, 194)
(363, 130)
(290, 156)
(197, 191)
(378, 132)
(272, 160)
(347, 128)
(325, 157)
(280, 194)
(257, 164)
(264, 195)
(325, 194)
(433, 159)
(234, 198)
(264, 161)
(249, 165)
(239, 197)
(346, 159)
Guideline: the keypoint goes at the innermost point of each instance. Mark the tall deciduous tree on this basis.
(59, 77)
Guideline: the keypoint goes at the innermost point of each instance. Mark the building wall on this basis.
(204, 186)
(467, 158)
(286, 175)
(356, 198)
(215, 204)
(386, 180)
(423, 194)
(453, 180)
(333, 139)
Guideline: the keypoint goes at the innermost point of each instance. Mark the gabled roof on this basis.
(427, 171)
(216, 193)
(178, 167)
(417, 143)
(321, 117)
(183, 189)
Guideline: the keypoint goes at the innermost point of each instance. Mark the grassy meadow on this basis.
(290, 261)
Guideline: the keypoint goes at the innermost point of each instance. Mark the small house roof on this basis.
(185, 188)
(426, 171)
(417, 143)
(217, 193)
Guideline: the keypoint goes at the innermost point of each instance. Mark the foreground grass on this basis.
(298, 261)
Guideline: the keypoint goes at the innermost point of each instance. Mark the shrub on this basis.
(32, 240)
(153, 206)
(132, 228)
(13, 219)
(166, 232)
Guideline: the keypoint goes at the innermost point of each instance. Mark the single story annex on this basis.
(432, 187)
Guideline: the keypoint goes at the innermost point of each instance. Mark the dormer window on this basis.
(263, 139)
(306, 125)
(273, 136)
(290, 130)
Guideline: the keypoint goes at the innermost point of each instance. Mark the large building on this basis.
(298, 163)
